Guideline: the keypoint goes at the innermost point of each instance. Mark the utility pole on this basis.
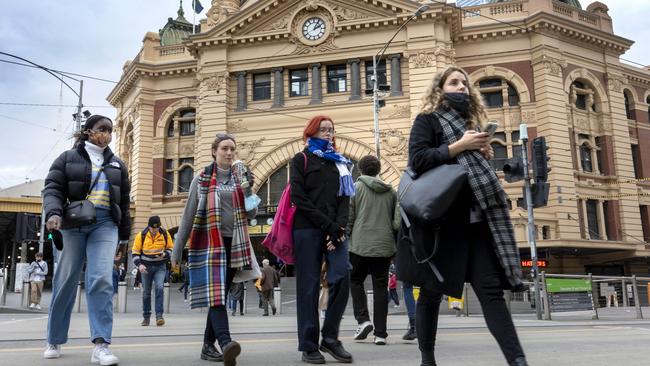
(78, 115)
(532, 234)
(375, 81)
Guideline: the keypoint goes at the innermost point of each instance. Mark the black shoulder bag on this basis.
(82, 212)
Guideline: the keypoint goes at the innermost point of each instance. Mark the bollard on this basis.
(594, 299)
(637, 303)
(25, 294)
(121, 296)
(626, 301)
(166, 297)
(3, 289)
(370, 298)
(544, 299)
(78, 304)
(466, 299)
(277, 299)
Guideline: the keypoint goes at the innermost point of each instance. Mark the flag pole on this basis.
(193, 16)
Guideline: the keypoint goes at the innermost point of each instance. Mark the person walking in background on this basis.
(237, 296)
(116, 271)
(476, 237)
(151, 252)
(409, 302)
(89, 171)
(216, 223)
(268, 282)
(37, 272)
(321, 187)
(392, 289)
(372, 223)
(186, 281)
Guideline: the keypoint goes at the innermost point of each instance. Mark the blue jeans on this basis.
(156, 273)
(309, 250)
(409, 300)
(96, 245)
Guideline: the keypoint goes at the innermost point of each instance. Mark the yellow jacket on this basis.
(152, 249)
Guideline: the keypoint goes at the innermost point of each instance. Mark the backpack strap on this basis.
(162, 232)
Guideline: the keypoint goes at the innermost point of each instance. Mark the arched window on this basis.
(494, 90)
(627, 99)
(582, 96)
(187, 120)
(185, 174)
(585, 158)
(500, 149)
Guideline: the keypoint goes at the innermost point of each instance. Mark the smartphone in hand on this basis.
(491, 128)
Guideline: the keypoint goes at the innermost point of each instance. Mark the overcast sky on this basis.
(95, 38)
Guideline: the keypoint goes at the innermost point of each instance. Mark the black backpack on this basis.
(162, 231)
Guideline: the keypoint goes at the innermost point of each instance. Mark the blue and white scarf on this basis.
(324, 149)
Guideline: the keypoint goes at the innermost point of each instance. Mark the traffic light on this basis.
(539, 191)
(514, 169)
(540, 160)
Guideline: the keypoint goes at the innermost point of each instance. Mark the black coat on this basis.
(315, 193)
(69, 179)
(428, 150)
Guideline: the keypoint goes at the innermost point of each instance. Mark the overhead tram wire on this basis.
(479, 14)
(269, 110)
(28, 123)
(51, 105)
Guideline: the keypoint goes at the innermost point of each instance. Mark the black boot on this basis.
(336, 350)
(428, 359)
(519, 361)
(313, 357)
(210, 353)
(410, 333)
(230, 353)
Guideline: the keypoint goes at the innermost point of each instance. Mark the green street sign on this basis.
(567, 285)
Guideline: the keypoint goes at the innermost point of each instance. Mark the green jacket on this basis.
(373, 219)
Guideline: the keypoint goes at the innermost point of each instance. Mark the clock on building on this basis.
(314, 28)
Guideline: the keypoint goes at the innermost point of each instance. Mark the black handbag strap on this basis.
(95, 181)
(428, 260)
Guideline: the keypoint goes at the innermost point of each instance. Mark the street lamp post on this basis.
(375, 82)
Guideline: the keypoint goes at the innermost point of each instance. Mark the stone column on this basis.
(602, 227)
(355, 79)
(316, 88)
(241, 92)
(395, 75)
(278, 87)
(585, 218)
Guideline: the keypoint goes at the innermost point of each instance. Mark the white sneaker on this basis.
(103, 356)
(32, 305)
(380, 341)
(52, 351)
(37, 307)
(363, 330)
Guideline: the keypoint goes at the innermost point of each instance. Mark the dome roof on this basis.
(175, 31)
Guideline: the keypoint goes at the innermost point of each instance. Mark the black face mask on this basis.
(459, 102)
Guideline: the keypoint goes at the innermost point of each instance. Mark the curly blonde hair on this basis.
(433, 99)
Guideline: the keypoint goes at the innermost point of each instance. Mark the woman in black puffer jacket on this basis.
(89, 171)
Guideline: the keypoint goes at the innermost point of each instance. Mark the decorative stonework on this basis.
(394, 142)
(553, 66)
(158, 148)
(528, 117)
(423, 59)
(615, 82)
(187, 150)
(306, 46)
(400, 111)
(582, 124)
(246, 149)
(214, 82)
(345, 14)
(135, 112)
(279, 24)
(236, 126)
(216, 14)
(303, 49)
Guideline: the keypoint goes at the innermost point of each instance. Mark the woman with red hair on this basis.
(321, 187)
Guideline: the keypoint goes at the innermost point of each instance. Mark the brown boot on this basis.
(145, 322)
(160, 321)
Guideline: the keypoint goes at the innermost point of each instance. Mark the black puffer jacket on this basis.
(69, 180)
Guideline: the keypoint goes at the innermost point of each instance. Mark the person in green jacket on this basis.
(373, 221)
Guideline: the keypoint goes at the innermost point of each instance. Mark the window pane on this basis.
(262, 86)
(188, 113)
(170, 129)
(520, 203)
(500, 156)
(336, 78)
(185, 176)
(500, 136)
(626, 100)
(298, 84)
(585, 158)
(513, 96)
(262, 193)
(381, 74)
(168, 183)
(169, 163)
(489, 83)
(278, 182)
(592, 219)
(182, 161)
(514, 136)
(581, 101)
(187, 128)
(600, 158)
(579, 84)
(635, 161)
(493, 99)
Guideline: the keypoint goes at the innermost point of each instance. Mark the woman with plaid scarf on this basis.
(476, 238)
(216, 223)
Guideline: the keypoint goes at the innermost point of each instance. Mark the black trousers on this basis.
(484, 273)
(309, 250)
(377, 267)
(216, 327)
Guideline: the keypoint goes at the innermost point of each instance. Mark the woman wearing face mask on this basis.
(321, 187)
(220, 252)
(477, 243)
(90, 166)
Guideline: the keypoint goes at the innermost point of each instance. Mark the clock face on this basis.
(313, 28)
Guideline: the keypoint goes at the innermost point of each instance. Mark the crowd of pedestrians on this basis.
(343, 231)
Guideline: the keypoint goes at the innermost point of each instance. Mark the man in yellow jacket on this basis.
(151, 251)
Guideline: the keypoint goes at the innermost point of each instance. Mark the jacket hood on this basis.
(375, 184)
